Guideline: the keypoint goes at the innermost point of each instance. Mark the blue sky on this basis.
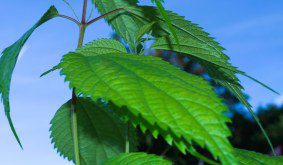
(250, 30)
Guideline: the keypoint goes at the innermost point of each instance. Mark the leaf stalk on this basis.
(69, 18)
(103, 15)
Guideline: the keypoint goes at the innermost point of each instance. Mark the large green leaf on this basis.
(101, 134)
(8, 61)
(101, 46)
(194, 48)
(252, 158)
(137, 158)
(200, 47)
(122, 22)
(185, 29)
(160, 97)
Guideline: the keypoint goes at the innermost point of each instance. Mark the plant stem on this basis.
(74, 97)
(75, 128)
(128, 137)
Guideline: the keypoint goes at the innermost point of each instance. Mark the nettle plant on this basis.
(117, 88)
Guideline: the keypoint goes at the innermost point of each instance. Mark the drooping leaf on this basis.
(101, 134)
(8, 61)
(122, 22)
(203, 49)
(137, 158)
(101, 46)
(156, 95)
(252, 158)
(195, 48)
(183, 28)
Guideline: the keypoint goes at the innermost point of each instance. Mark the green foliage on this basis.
(9, 59)
(158, 96)
(167, 20)
(101, 47)
(101, 134)
(141, 90)
(137, 158)
(124, 24)
(249, 157)
(194, 49)
(203, 49)
(143, 30)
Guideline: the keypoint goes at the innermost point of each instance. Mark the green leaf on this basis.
(122, 22)
(158, 96)
(8, 61)
(199, 46)
(49, 71)
(252, 158)
(185, 29)
(137, 158)
(101, 134)
(167, 20)
(143, 30)
(193, 48)
(101, 46)
(261, 83)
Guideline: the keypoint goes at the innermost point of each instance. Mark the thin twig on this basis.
(73, 10)
(104, 15)
(166, 150)
(69, 18)
(90, 14)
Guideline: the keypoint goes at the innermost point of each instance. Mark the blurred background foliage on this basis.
(245, 132)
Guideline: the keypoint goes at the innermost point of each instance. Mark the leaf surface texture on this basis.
(101, 134)
(156, 95)
(137, 158)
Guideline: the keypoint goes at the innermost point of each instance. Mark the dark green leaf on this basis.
(8, 61)
(122, 22)
(167, 20)
(143, 30)
(101, 134)
(252, 158)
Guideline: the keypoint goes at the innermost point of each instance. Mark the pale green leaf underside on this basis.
(101, 135)
(155, 94)
(8, 61)
(252, 158)
(137, 158)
